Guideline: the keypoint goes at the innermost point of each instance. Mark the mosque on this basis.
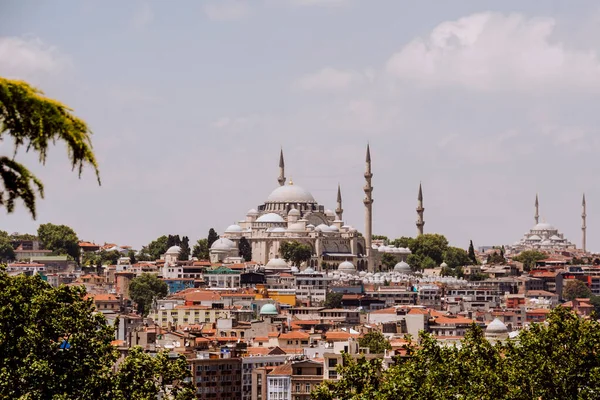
(291, 213)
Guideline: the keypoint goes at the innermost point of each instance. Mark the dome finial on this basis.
(291, 181)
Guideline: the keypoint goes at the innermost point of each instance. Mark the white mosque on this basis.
(291, 213)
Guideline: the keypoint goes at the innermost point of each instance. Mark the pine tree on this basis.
(245, 249)
(472, 256)
(184, 253)
(212, 237)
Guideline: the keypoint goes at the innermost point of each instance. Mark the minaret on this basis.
(537, 210)
(368, 206)
(339, 210)
(281, 178)
(420, 210)
(583, 226)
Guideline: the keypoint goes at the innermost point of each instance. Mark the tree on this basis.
(91, 259)
(375, 342)
(388, 260)
(212, 237)
(184, 253)
(472, 255)
(380, 237)
(156, 248)
(201, 249)
(173, 240)
(61, 239)
(496, 258)
(456, 257)
(333, 300)
(427, 250)
(245, 249)
(145, 289)
(529, 258)
(295, 252)
(7, 252)
(576, 289)
(34, 121)
(56, 346)
(131, 255)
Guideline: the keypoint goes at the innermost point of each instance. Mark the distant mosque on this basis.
(291, 213)
(545, 237)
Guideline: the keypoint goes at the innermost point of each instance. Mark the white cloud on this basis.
(142, 17)
(25, 56)
(326, 3)
(495, 52)
(227, 10)
(328, 79)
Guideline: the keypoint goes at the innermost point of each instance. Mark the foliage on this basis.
(145, 289)
(201, 249)
(529, 258)
(61, 239)
(109, 257)
(7, 252)
(132, 258)
(456, 257)
(212, 237)
(155, 249)
(428, 250)
(184, 253)
(333, 300)
(449, 271)
(16, 237)
(496, 258)
(388, 260)
(245, 249)
(576, 289)
(554, 360)
(91, 259)
(173, 240)
(471, 253)
(295, 252)
(34, 121)
(375, 341)
(380, 237)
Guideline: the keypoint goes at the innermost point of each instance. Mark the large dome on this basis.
(174, 250)
(270, 217)
(347, 267)
(543, 226)
(402, 267)
(268, 309)
(277, 263)
(290, 194)
(223, 244)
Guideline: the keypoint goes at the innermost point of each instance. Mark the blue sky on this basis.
(485, 102)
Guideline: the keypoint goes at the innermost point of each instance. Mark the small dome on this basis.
(277, 263)
(443, 265)
(252, 211)
(309, 270)
(333, 228)
(223, 244)
(277, 229)
(346, 267)
(294, 269)
(322, 228)
(402, 267)
(382, 249)
(496, 327)
(297, 227)
(555, 238)
(310, 226)
(268, 309)
(270, 217)
(534, 238)
(546, 242)
(233, 229)
(290, 194)
(542, 226)
(294, 213)
(174, 250)
(329, 213)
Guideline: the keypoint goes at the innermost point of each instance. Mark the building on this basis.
(217, 376)
(254, 362)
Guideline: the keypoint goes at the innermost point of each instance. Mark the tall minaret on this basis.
(339, 210)
(420, 210)
(537, 210)
(368, 206)
(281, 178)
(583, 226)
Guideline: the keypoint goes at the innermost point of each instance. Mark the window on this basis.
(307, 388)
(332, 362)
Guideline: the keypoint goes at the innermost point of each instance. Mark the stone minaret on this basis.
(420, 210)
(368, 206)
(281, 178)
(583, 226)
(537, 210)
(339, 210)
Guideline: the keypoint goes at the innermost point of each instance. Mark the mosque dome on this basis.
(443, 265)
(277, 229)
(402, 267)
(381, 249)
(333, 228)
(555, 237)
(173, 250)
(309, 270)
(268, 309)
(252, 211)
(277, 263)
(347, 267)
(294, 213)
(329, 213)
(496, 327)
(543, 226)
(294, 269)
(322, 228)
(296, 227)
(534, 237)
(233, 228)
(270, 217)
(290, 194)
(222, 244)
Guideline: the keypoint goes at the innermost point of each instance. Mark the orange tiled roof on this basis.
(389, 310)
(261, 339)
(339, 335)
(284, 369)
(294, 335)
(273, 334)
(444, 320)
(102, 297)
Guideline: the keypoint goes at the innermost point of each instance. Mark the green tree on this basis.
(34, 121)
(529, 258)
(7, 252)
(456, 257)
(212, 237)
(91, 259)
(173, 240)
(472, 255)
(380, 237)
(245, 249)
(388, 260)
(496, 258)
(375, 342)
(201, 249)
(155, 249)
(109, 257)
(295, 252)
(145, 289)
(427, 250)
(333, 300)
(404, 241)
(576, 289)
(184, 253)
(61, 239)
(131, 255)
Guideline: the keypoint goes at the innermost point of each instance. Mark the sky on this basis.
(485, 102)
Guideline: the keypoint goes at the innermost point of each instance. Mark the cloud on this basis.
(143, 17)
(495, 52)
(328, 79)
(227, 10)
(21, 57)
(320, 3)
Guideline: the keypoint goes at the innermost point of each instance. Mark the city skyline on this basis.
(188, 130)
